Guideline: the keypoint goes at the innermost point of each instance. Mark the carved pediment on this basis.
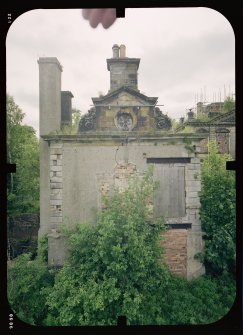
(125, 95)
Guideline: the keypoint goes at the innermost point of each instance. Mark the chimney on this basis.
(122, 51)
(115, 49)
(50, 71)
(66, 108)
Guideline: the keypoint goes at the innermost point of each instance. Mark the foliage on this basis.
(229, 104)
(162, 120)
(73, 128)
(202, 117)
(22, 150)
(218, 213)
(200, 301)
(42, 254)
(188, 130)
(29, 283)
(115, 265)
(174, 124)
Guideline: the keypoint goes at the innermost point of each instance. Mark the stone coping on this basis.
(130, 136)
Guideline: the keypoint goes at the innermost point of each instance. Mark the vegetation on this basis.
(218, 213)
(229, 104)
(73, 128)
(28, 286)
(202, 117)
(116, 268)
(22, 150)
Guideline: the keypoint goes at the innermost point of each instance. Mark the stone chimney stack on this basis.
(50, 71)
(123, 70)
(66, 108)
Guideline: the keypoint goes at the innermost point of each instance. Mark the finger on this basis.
(109, 17)
(86, 13)
(96, 16)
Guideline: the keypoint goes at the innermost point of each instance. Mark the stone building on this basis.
(219, 127)
(120, 136)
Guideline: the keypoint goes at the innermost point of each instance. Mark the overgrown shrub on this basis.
(115, 265)
(218, 213)
(29, 282)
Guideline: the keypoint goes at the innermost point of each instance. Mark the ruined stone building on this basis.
(220, 127)
(120, 136)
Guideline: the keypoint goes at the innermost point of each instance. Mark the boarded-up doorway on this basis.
(170, 197)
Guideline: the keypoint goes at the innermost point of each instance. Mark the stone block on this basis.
(59, 162)
(59, 173)
(56, 168)
(57, 196)
(58, 252)
(56, 213)
(56, 202)
(192, 201)
(56, 185)
(56, 191)
(192, 175)
(56, 219)
(193, 183)
(56, 151)
(195, 160)
(56, 179)
(194, 188)
(193, 166)
(53, 157)
(192, 195)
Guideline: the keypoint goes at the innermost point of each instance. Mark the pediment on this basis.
(125, 96)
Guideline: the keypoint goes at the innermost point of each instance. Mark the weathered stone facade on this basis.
(120, 137)
(221, 128)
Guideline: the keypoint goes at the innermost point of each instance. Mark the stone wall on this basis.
(84, 168)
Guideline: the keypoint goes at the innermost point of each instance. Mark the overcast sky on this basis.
(187, 54)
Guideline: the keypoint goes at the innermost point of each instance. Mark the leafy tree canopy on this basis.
(22, 150)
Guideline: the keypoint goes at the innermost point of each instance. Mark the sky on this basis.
(187, 55)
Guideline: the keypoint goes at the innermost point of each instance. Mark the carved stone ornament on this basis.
(162, 121)
(87, 121)
(124, 121)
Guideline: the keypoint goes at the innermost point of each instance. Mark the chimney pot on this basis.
(122, 51)
(115, 49)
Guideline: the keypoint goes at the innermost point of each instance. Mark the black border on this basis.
(232, 322)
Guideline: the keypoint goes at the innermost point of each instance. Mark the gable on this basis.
(226, 118)
(125, 96)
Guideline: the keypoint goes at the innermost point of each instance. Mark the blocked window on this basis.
(170, 199)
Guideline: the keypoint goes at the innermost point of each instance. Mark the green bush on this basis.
(114, 266)
(29, 283)
(218, 213)
(200, 301)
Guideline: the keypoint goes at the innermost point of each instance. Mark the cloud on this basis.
(181, 51)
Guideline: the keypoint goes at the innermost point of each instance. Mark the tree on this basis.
(114, 266)
(218, 213)
(22, 150)
(229, 104)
